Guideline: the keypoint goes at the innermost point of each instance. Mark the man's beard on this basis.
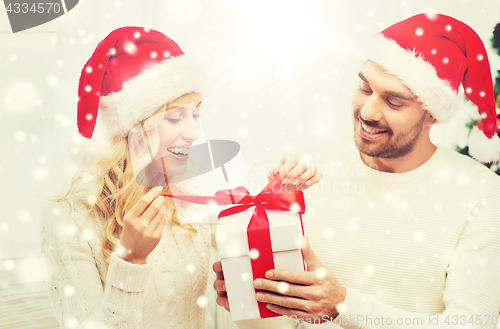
(396, 146)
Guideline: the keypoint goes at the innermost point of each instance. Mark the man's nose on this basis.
(371, 110)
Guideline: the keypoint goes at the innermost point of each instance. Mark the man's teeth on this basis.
(178, 151)
(371, 130)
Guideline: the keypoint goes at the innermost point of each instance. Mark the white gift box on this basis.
(232, 243)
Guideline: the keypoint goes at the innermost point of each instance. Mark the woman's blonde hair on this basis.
(109, 189)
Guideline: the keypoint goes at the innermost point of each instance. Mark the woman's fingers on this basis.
(142, 233)
(152, 210)
(139, 208)
(157, 224)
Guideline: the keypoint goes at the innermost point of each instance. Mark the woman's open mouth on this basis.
(180, 153)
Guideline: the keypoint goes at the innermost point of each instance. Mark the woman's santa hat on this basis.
(130, 75)
(433, 54)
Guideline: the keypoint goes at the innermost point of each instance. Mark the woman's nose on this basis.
(191, 129)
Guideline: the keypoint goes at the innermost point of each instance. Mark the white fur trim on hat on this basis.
(144, 94)
(418, 75)
(483, 148)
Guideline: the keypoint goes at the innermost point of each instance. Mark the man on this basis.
(413, 237)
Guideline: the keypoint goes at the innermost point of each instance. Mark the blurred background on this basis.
(280, 72)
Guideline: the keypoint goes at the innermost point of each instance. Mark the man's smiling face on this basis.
(388, 118)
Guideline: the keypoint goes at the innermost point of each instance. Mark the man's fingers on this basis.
(284, 301)
(287, 312)
(291, 276)
(281, 287)
(312, 261)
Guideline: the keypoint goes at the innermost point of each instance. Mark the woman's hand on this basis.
(296, 175)
(143, 227)
(220, 286)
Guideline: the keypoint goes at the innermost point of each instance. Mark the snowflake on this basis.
(418, 237)
(283, 286)
(40, 174)
(254, 254)
(9, 264)
(20, 136)
(130, 48)
(202, 301)
(191, 268)
(245, 276)
(69, 290)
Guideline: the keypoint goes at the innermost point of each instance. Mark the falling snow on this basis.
(418, 237)
(254, 254)
(202, 301)
(245, 276)
(69, 290)
(283, 287)
(9, 264)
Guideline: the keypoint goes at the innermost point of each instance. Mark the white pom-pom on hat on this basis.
(483, 148)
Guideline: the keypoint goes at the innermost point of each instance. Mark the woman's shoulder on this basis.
(69, 212)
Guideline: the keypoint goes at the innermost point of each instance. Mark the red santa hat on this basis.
(433, 54)
(130, 75)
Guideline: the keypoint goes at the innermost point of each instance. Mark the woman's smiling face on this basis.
(178, 130)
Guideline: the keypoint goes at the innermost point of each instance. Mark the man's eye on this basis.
(366, 91)
(393, 105)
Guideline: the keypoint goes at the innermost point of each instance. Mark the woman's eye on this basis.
(196, 115)
(174, 120)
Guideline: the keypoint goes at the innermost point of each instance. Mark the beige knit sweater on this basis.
(166, 292)
(419, 249)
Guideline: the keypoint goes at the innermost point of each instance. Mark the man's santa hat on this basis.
(131, 74)
(433, 54)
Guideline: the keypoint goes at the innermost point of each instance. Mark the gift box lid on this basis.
(231, 235)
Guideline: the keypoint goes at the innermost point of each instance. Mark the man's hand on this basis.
(220, 286)
(307, 295)
(298, 175)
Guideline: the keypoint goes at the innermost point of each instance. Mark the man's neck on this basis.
(417, 157)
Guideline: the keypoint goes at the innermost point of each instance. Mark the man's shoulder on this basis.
(471, 168)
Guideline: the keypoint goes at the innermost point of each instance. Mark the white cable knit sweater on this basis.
(85, 293)
(409, 245)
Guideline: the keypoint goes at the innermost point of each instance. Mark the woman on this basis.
(112, 262)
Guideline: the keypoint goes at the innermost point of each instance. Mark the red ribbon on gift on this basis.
(272, 197)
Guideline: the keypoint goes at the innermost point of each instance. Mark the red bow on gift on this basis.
(272, 197)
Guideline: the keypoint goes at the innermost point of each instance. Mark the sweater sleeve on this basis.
(75, 288)
(472, 290)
